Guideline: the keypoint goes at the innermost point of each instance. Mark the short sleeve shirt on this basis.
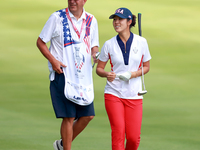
(113, 50)
(53, 32)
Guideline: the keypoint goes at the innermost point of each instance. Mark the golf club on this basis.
(144, 91)
(97, 56)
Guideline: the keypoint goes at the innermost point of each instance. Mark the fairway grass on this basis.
(171, 106)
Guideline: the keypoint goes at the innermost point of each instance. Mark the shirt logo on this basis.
(135, 50)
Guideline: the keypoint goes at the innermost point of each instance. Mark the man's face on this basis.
(76, 6)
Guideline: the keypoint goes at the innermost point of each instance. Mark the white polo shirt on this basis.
(121, 62)
(53, 31)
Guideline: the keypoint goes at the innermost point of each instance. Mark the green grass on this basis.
(171, 107)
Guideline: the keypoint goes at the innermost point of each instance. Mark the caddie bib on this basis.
(77, 58)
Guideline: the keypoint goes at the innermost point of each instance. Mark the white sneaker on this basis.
(57, 145)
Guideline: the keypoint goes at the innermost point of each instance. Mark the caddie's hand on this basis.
(111, 76)
(125, 76)
(57, 66)
(95, 57)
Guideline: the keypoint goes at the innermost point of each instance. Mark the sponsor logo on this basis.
(89, 90)
(80, 98)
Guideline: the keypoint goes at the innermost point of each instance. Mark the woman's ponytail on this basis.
(133, 21)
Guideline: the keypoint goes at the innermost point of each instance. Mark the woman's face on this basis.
(121, 24)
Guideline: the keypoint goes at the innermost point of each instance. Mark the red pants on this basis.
(125, 118)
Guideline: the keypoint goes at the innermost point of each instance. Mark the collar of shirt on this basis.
(83, 16)
(125, 51)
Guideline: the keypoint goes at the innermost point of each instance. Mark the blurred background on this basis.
(171, 106)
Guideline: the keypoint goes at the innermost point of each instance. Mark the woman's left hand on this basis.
(125, 76)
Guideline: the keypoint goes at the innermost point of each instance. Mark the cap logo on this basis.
(121, 11)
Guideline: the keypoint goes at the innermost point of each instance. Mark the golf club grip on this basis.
(139, 24)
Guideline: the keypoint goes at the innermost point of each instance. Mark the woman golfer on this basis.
(126, 52)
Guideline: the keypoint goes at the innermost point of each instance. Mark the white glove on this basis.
(125, 76)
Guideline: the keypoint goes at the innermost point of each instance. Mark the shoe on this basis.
(57, 145)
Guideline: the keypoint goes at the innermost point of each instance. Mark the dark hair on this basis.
(133, 21)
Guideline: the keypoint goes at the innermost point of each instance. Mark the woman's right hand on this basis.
(111, 76)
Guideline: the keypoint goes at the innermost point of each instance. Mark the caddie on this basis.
(74, 41)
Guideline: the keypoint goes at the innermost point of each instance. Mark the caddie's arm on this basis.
(45, 51)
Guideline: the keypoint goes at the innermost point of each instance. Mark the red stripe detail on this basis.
(88, 17)
(110, 62)
(87, 32)
(141, 62)
(68, 43)
(90, 20)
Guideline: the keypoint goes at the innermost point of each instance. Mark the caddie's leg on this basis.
(80, 124)
(84, 115)
(67, 132)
